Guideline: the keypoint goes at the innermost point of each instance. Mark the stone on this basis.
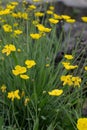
(73, 3)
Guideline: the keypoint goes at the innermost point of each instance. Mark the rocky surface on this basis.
(74, 12)
(75, 35)
(75, 41)
(72, 3)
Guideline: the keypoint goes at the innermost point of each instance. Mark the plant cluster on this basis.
(34, 94)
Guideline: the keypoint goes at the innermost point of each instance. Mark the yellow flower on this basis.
(54, 21)
(35, 35)
(14, 3)
(76, 81)
(19, 70)
(47, 65)
(11, 7)
(35, 22)
(3, 21)
(13, 94)
(7, 28)
(8, 49)
(26, 101)
(84, 18)
(17, 15)
(24, 16)
(66, 63)
(49, 12)
(67, 80)
(14, 15)
(5, 12)
(56, 92)
(42, 28)
(17, 32)
(65, 17)
(30, 63)
(51, 7)
(20, 15)
(36, 0)
(68, 66)
(85, 67)
(82, 124)
(71, 80)
(69, 57)
(32, 7)
(70, 20)
(19, 50)
(24, 76)
(56, 16)
(15, 24)
(3, 88)
(39, 14)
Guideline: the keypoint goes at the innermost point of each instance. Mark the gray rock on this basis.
(74, 3)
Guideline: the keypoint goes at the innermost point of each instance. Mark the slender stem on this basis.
(14, 115)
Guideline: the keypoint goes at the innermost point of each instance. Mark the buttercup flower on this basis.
(18, 32)
(8, 49)
(71, 80)
(82, 124)
(39, 14)
(18, 50)
(67, 80)
(56, 92)
(11, 7)
(30, 63)
(20, 15)
(24, 76)
(86, 68)
(35, 22)
(14, 3)
(69, 57)
(24, 16)
(47, 65)
(3, 88)
(68, 66)
(35, 35)
(65, 17)
(26, 101)
(54, 21)
(70, 20)
(13, 94)
(7, 28)
(84, 18)
(32, 7)
(76, 81)
(56, 16)
(19, 70)
(42, 28)
(15, 24)
(17, 15)
(5, 12)
(51, 7)
(49, 12)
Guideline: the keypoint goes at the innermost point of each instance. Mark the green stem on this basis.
(14, 115)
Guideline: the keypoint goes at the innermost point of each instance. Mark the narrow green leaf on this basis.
(36, 124)
(50, 127)
(1, 122)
